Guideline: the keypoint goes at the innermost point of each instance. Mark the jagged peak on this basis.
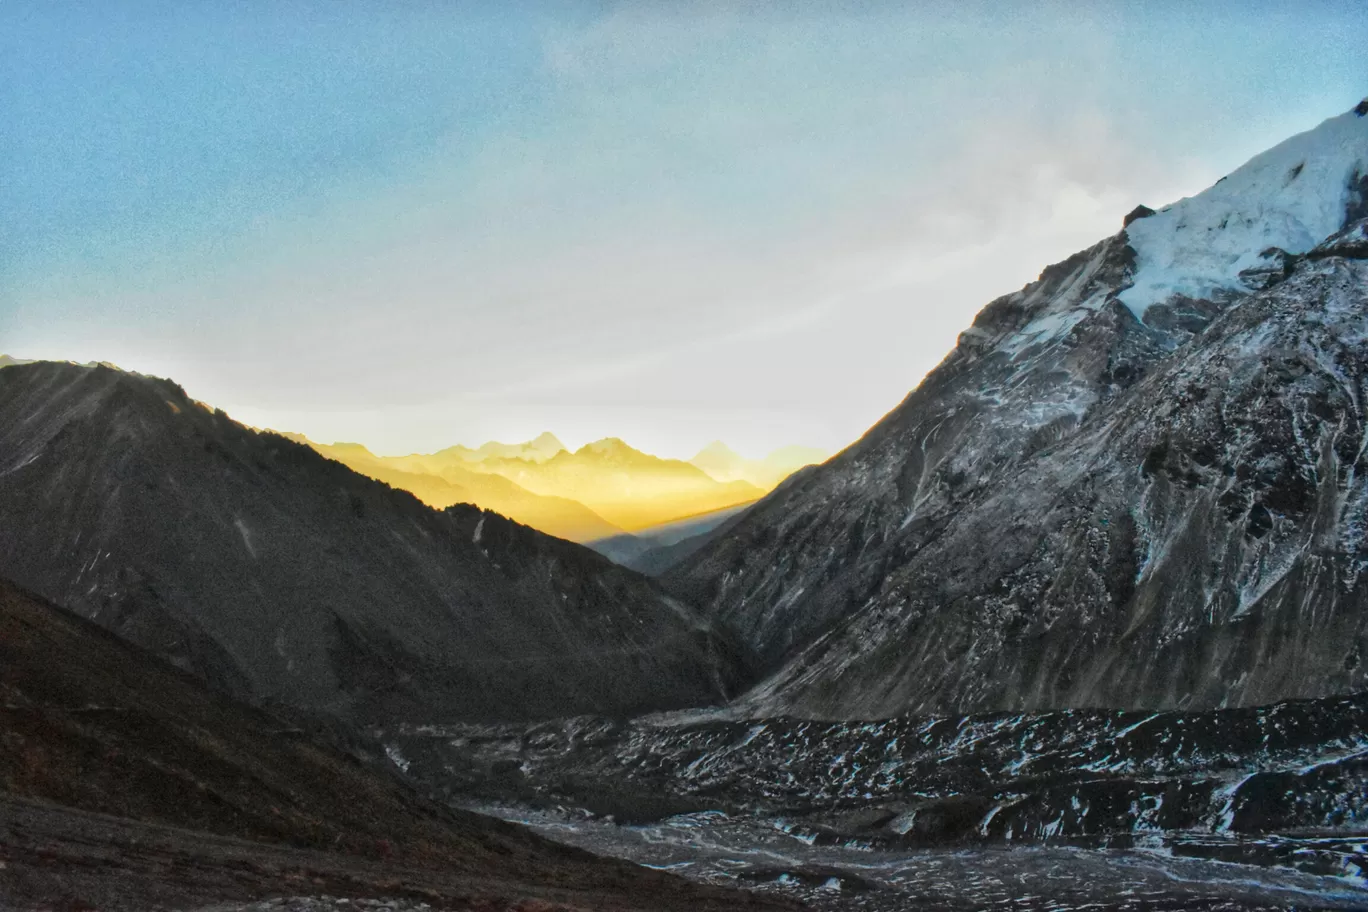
(357, 449)
(546, 440)
(717, 449)
(607, 446)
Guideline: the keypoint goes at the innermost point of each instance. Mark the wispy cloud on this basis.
(661, 223)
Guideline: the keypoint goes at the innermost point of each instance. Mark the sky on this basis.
(416, 224)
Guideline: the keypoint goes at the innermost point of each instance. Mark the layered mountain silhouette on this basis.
(725, 464)
(1138, 482)
(441, 482)
(539, 449)
(603, 494)
(601, 491)
(126, 784)
(654, 550)
(279, 575)
(629, 488)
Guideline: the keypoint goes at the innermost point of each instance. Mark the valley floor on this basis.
(54, 859)
(1256, 808)
(770, 856)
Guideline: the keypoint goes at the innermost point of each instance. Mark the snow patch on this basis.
(1293, 196)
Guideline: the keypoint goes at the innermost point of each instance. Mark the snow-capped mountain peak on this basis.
(1289, 197)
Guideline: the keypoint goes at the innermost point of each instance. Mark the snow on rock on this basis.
(1290, 197)
(1076, 503)
(1352, 243)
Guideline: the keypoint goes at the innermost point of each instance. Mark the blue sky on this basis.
(414, 224)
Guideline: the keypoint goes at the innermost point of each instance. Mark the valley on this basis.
(1081, 624)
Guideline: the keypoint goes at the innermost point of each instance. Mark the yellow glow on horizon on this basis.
(601, 490)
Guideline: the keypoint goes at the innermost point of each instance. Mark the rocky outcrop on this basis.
(1139, 212)
(281, 576)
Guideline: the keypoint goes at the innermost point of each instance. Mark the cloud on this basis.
(655, 216)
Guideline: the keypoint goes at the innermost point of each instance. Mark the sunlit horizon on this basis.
(421, 227)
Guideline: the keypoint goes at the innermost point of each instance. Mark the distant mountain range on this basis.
(605, 494)
(606, 491)
(454, 479)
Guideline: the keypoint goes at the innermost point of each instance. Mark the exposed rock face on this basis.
(1139, 212)
(1138, 482)
(279, 575)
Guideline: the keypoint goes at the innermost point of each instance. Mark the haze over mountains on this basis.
(724, 464)
(604, 490)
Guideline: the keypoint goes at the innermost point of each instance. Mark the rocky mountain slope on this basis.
(126, 784)
(652, 550)
(279, 575)
(1137, 482)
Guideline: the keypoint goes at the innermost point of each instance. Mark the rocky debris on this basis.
(1275, 265)
(283, 577)
(1290, 767)
(1352, 243)
(1281, 786)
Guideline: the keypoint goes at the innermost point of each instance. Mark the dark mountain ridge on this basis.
(279, 575)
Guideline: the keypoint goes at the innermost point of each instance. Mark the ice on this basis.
(1293, 196)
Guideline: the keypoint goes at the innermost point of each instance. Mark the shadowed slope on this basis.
(95, 724)
(278, 574)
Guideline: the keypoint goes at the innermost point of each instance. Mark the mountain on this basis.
(280, 575)
(540, 449)
(126, 784)
(723, 463)
(630, 489)
(593, 495)
(1138, 482)
(443, 482)
(648, 548)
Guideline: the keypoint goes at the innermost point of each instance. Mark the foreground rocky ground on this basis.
(1264, 807)
(62, 860)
